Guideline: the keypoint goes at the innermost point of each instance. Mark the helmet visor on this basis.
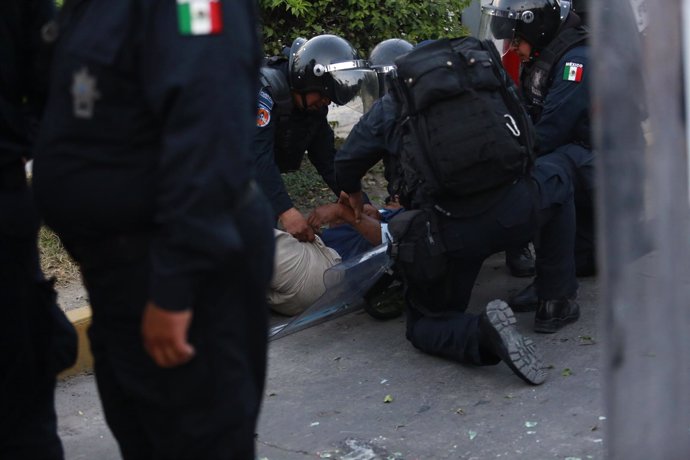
(353, 83)
(498, 26)
(357, 88)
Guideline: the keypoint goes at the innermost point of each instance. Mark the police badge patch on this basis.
(84, 93)
(573, 71)
(199, 17)
(263, 115)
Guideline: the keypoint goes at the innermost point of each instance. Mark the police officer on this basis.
(436, 318)
(144, 170)
(36, 339)
(291, 118)
(551, 42)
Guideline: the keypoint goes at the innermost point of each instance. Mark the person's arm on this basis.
(337, 213)
(366, 144)
(567, 104)
(268, 175)
(201, 91)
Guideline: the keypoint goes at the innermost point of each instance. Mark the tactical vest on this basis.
(536, 75)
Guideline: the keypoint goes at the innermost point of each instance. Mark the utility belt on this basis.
(91, 253)
(12, 176)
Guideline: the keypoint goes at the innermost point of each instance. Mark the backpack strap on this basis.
(527, 135)
(512, 99)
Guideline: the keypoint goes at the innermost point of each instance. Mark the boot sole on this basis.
(517, 351)
(555, 324)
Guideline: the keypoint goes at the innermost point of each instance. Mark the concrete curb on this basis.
(81, 319)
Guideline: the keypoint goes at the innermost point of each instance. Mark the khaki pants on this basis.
(298, 273)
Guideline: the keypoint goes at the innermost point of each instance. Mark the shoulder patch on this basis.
(573, 71)
(263, 114)
(265, 100)
(199, 17)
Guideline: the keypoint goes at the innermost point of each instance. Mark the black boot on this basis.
(497, 326)
(552, 315)
(520, 262)
(525, 300)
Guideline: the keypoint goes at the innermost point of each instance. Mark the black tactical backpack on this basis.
(464, 130)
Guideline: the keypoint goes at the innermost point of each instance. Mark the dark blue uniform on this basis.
(436, 322)
(376, 135)
(565, 117)
(145, 171)
(564, 138)
(36, 339)
(283, 138)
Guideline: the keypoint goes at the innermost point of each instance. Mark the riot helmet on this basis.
(329, 65)
(535, 21)
(382, 58)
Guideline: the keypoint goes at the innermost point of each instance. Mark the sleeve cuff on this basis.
(172, 293)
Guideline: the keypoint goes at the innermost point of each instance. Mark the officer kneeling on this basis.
(463, 145)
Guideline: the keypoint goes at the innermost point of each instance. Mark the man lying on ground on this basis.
(299, 266)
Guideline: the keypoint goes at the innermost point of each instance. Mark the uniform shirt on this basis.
(22, 90)
(565, 118)
(281, 142)
(148, 129)
(373, 138)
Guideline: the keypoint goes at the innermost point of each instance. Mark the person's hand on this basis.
(327, 214)
(165, 335)
(296, 225)
(355, 200)
(371, 211)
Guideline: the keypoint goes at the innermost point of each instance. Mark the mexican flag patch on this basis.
(199, 17)
(573, 71)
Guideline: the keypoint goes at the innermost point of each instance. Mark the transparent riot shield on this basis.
(346, 283)
(643, 226)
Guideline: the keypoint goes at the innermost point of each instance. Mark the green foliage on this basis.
(306, 188)
(363, 23)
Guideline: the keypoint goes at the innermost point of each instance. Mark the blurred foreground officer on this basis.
(36, 339)
(291, 117)
(144, 170)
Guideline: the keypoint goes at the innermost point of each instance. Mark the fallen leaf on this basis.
(388, 399)
(473, 434)
(567, 372)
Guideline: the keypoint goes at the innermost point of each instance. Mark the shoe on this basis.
(497, 324)
(520, 262)
(525, 300)
(552, 315)
(387, 304)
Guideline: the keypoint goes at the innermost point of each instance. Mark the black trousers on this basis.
(579, 163)
(36, 340)
(207, 408)
(437, 322)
